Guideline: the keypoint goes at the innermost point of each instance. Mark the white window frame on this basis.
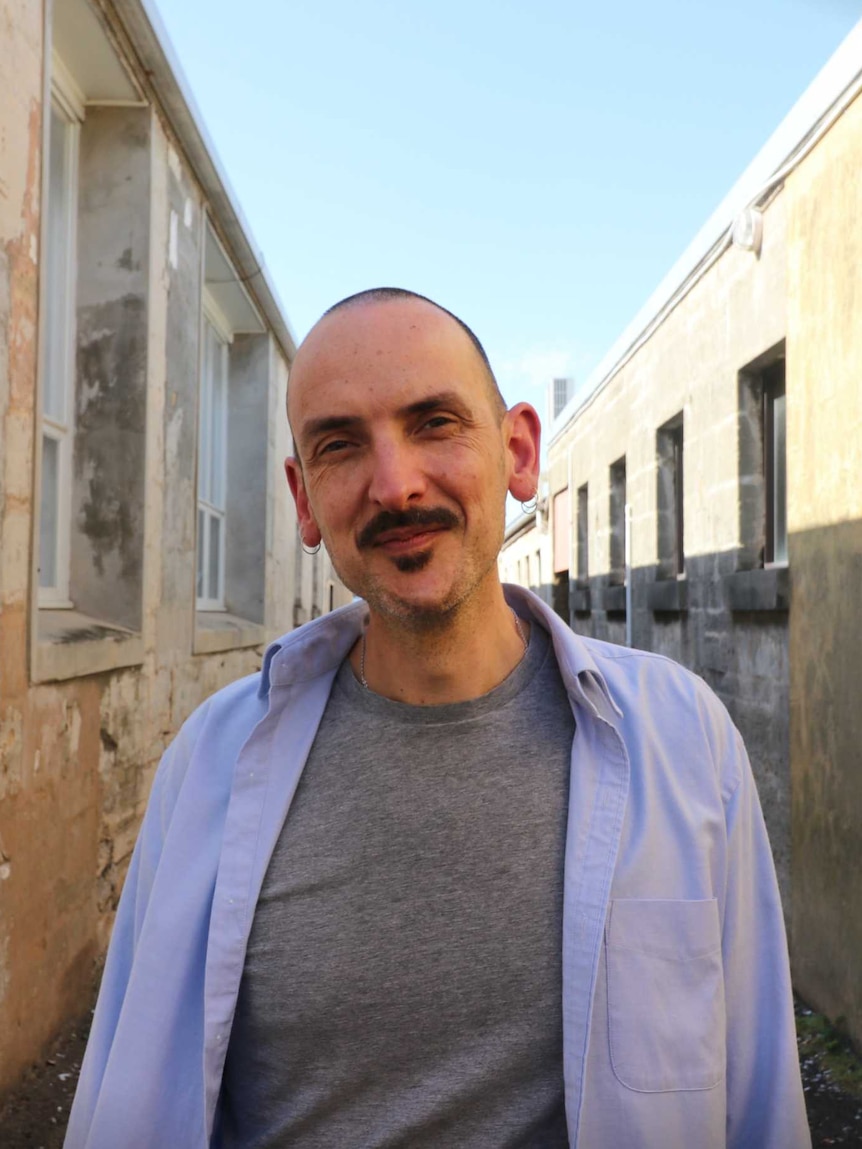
(68, 102)
(207, 510)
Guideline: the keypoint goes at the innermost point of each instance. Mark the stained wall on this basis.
(90, 697)
(825, 519)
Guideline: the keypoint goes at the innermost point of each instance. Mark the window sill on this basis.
(73, 645)
(668, 596)
(766, 589)
(614, 599)
(217, 631)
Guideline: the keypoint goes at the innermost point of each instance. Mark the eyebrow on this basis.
(326, 423)
(322, 426)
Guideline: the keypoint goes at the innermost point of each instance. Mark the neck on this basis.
(470, 653)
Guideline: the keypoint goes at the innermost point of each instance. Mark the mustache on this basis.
(398, 520)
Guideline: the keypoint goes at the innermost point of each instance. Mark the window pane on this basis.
(780, 479)
(618, 520)
(679, 509)
(583, 534)
(205, 417)
(57, 255)
(48, 521)
(219, 423)
(214, 564)
(199, 582)
(212, 460)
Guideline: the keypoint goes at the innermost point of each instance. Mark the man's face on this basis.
(404, 461)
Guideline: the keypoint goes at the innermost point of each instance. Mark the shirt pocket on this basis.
(666, 1021)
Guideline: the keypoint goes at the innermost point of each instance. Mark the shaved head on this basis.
(383, 295)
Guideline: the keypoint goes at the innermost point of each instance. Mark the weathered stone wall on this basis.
(825, 524)
(86, 712)
(690, 365)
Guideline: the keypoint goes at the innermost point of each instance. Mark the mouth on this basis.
(405, 532)
(407, 539)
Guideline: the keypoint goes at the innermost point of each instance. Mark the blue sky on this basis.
(536, 168)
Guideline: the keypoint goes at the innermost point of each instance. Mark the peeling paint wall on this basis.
(80, 741)
(21, 48)
(245, 577)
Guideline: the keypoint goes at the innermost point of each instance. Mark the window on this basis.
(761, 580)
(618, 521)
(233, 456)
(583, 534)
(670, 518)
(762, 462)
(562, 538)
(58, 339)
(562, 530)
(775, 463)
(212, 469)
(93, 346)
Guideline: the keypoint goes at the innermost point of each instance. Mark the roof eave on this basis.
(150, 41)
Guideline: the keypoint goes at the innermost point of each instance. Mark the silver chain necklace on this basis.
(364, 680)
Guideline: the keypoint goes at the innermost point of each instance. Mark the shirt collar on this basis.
(313, 649)
(323, 644)
(578, 668)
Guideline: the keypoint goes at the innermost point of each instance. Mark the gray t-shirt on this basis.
(402, 985)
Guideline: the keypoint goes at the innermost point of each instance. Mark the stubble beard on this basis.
(409, 615)
(424, 618)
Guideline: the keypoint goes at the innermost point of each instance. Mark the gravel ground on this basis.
(35, 1115)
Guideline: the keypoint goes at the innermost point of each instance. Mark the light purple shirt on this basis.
(678, 1026)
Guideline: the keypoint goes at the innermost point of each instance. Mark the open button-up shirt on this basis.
(678, 1026)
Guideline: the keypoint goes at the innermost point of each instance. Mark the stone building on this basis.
(526, 558)
(148, 545)
(708, 479)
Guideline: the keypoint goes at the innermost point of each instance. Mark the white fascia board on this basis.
(842, 69)
(150, 40)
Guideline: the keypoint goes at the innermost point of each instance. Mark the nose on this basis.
(397, 478)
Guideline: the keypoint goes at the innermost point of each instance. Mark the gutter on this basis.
(149, 39)
(827, 98)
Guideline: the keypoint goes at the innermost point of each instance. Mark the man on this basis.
(442, 874)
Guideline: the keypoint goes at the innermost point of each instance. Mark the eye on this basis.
(437, 422)
(334, 446)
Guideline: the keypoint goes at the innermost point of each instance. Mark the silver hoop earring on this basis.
(308, 550)
(531, 505)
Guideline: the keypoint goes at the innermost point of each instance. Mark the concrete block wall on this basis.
(780, 647)
(690, 367)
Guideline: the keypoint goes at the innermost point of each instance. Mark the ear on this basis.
(523, 435)
(308, 528)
